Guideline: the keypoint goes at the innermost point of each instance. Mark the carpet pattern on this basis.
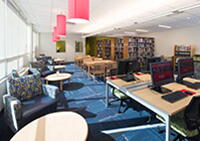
(90, 95)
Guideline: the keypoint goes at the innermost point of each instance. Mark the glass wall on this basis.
(16, 41)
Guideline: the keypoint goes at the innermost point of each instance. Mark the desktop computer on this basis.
(161, 73)
(152, 60)
(186, 69)
(126, 68)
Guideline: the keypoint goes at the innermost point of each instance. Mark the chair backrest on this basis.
(25, 87)
(97, 59)
(87, 60)
(99, 67)
(192, 113)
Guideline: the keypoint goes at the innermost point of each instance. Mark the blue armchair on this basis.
(42, 68)
(27, 100)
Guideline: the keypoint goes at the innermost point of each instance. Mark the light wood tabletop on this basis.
(192, 80)
(57, 67)
(140, 78)
(58, 77)
(59, 126)
(58, 60)
(155, 98)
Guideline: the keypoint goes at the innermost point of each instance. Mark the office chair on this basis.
(118, 95)
(187, 122)
(124, 100)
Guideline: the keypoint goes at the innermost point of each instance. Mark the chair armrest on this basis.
(12, 111)
(50, 90)
(51, 68)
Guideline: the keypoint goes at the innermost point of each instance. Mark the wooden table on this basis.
(191, 80)
(59, 60)
(89, 64)
(58, 67)
(59, 126)
(152, 100)
(58, 77)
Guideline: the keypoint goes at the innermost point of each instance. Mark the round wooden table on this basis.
(59, 60)
(59, 126)
(58, 67)
(58, 77)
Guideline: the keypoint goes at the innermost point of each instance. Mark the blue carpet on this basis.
(90, 95)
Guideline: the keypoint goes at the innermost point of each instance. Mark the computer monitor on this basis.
(185, 68)
(161, 73)
(126, 66)
(152, 60)
(133, 66)
(121, 67)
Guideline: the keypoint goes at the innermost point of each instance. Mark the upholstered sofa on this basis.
(28, 99)
(44, 58)
(42, 68)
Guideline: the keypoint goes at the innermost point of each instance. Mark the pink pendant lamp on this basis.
(55, 37)
(61, 25)
(78, 11)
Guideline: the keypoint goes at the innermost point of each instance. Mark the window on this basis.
(11, 65)
(2, 70)
(2, 27)
(16, 40)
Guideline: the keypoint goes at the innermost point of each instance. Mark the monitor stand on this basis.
(161, 90)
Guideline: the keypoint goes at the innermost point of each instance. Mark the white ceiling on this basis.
(107, 15)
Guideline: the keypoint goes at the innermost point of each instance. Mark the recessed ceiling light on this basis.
(130, 33)
(142, 30)
(164, 26)
(188, 18)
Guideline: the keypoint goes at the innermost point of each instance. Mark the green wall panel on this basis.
(91, 46)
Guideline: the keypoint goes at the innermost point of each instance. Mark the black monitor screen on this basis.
(133, 66)
(128, 66)
(185, 67)
(152, 60)
(161, 73)
(121, 67)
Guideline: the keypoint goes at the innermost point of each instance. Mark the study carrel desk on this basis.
(151, 100)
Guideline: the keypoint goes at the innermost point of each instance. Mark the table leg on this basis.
(61, 85)
(107, 94)
(88, 72)
(167, 128)
(47, 82)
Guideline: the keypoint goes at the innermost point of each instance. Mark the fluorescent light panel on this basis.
(130, 33)
(142, 30)
(190, 7)
(164, 26)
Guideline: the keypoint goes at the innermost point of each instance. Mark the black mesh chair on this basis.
(187, 122)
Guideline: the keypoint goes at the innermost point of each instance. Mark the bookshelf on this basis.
(196, 59)
(104, 48)
(100, 48)
(113, 48)
(107, 49)
(182, 51)
(119, 45)
(141, 48)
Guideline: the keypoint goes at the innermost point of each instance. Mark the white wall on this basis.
(47, 47)
(165, 41)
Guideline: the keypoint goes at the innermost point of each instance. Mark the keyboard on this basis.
(175, 96)
(127, 78)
